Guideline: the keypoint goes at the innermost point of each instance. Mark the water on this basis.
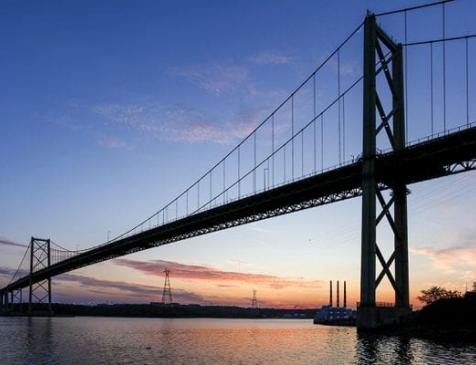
(87, 340)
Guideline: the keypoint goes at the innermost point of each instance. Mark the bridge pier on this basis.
(7, 306)
(377, 45)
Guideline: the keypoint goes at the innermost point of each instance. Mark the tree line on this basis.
(435, 293)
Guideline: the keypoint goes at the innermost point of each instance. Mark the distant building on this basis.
(330, 315)
(334, 315)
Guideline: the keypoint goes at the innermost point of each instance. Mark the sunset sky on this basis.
(110, 109)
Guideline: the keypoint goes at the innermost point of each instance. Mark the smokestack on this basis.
(337, 296)
(345, 295)
(330, 293)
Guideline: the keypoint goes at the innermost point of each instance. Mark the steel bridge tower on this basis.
(382, 54)
(40, 258)
(39, 292)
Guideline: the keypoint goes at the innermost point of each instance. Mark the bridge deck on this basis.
(419, 162)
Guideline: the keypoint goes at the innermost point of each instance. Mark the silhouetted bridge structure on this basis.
(226, 196)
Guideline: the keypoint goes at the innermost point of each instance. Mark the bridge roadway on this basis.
(418, 162)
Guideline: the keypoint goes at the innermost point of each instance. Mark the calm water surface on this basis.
(83, 341)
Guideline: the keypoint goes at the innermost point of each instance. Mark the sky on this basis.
(111, 109)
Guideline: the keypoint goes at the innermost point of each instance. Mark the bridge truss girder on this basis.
(461, 166)
(438, 157)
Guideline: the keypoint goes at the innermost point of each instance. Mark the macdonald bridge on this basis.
(339, 135)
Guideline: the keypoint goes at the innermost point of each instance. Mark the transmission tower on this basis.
(167, 292)
(254, 301)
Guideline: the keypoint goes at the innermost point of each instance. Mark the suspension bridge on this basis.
(337, 136)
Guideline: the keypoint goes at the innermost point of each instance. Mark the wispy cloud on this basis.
(5, 271)
(450, 259)
(113, 142)
(137, 291)
(216, 79)
(174, 123)
(67, 290)
(67, 121)
(271, 58)
(199, 272)
(7, 242)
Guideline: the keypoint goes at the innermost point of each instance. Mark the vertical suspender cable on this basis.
(292, 136)
(322, 142)
(254, 158)
(239, 179)
(302, 153)
(224, 179)
(431, 92)
(272, 146)
(343, 128)
(314, 122)
(284, 159)
(406, 78)
(444, 66)
(339, 106)
(467, 81)
(211, 189)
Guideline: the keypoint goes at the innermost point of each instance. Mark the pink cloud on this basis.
(450, 259)
(123, 291)
(177, 124)
(216, 79)
(199, 272)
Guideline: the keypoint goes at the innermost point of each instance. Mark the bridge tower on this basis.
(40, 258)
(382, 55)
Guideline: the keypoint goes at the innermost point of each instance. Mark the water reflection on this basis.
(377, 349)
(404, 352)
(39, 332)
(366, 349)
(71, 341)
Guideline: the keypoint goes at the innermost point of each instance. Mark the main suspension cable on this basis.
(413, 8)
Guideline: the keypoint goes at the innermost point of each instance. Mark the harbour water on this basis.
(89, 340)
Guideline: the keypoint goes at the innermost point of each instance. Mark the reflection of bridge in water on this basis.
(297, 159)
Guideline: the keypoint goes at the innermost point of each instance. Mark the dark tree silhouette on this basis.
(435, 293)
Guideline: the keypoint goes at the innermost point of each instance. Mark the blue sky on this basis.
(110, 109)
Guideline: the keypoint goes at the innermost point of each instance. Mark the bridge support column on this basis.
(7, 306)
(2, 302)
(17, 299)
(402, 294)
(380, 49)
